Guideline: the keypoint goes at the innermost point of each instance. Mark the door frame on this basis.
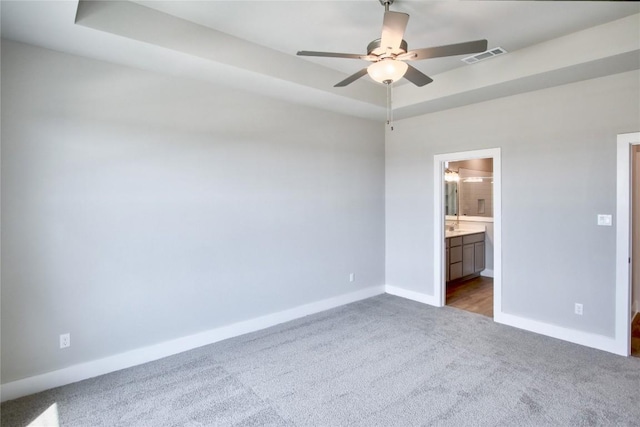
(623, 242)
(439, 285)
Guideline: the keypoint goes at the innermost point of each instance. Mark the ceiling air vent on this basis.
(484, 55)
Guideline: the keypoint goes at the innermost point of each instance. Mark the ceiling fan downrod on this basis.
(386, 4)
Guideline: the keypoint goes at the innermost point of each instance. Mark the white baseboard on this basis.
(487, 273)
(37, 383)
(412, 295)
(587, 339)
(94, 368)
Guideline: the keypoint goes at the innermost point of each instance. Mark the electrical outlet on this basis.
(352, 277)
(578, 309)
(65, 340)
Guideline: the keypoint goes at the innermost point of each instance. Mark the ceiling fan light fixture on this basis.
(387, 70)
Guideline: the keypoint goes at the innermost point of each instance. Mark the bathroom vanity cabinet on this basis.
(465, 256)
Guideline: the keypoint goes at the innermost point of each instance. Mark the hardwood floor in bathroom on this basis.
(635, 336)
(475, 295)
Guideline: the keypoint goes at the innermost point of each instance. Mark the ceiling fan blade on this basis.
(446, 50)
(393, 27)
(331, 54)
(352, 78)
(416, 76)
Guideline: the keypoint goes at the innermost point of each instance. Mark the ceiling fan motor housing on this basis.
(375, 48)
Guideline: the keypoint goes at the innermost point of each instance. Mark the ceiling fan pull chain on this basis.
(389, 105)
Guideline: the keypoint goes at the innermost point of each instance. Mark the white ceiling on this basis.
(260, 55)
(348, 26)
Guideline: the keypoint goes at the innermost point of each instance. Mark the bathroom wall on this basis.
(485, 165)
(476, 193)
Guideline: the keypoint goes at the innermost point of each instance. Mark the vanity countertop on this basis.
(457, 233)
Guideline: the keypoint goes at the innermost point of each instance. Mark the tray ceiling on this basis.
(251, 45)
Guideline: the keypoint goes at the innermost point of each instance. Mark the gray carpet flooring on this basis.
(384, 361)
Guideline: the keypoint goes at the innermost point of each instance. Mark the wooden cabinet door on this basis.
(455, 271)
(468, 262)
(479, 256)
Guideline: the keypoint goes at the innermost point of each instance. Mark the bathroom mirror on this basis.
(472, 193)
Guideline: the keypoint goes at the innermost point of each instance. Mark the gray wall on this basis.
(138, 208)
(558, 172)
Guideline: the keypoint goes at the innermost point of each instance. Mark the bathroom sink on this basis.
(460, 232)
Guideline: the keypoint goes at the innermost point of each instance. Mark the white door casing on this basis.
(438, 223)
(623, 242)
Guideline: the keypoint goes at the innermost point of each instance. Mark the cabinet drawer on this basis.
(455, 254)
(455, 241)
(473, 238)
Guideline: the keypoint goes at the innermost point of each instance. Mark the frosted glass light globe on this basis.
(387, 70)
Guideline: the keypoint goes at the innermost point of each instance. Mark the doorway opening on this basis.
(627, 298)
(467, 231)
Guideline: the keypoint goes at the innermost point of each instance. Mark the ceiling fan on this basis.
(389, 53)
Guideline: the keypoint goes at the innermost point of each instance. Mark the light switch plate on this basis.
(604, 220)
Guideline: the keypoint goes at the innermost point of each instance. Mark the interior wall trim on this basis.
(439, 217)
(412, 295)
(94, 368)
(575, 336)
(487, 272)
(586, 339)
